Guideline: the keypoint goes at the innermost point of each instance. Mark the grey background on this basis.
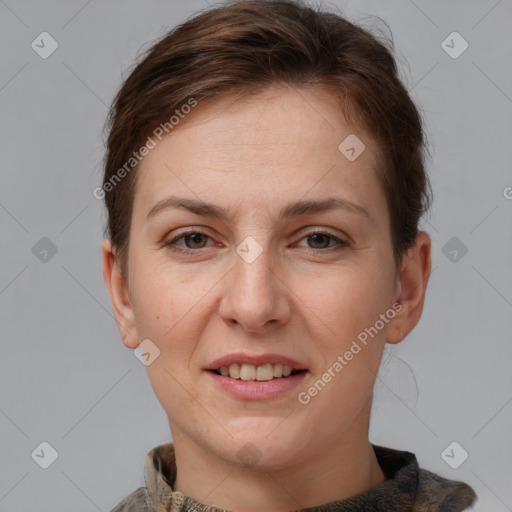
(65, 376)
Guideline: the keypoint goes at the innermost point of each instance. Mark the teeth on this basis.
(247, 372)
(278, 370)
(265, 372)
(234, 371)
(259, 373)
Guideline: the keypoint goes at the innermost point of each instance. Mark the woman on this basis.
(264, 180)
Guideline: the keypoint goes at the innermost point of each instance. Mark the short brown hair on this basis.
(244, 46)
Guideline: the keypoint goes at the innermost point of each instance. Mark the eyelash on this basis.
(342, 244)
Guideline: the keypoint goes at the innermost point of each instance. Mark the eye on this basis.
(319, 237)
(195, 241)
(192, 240)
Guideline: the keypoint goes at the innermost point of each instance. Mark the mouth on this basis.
(265, 381)
(256, 376)
(251, 372)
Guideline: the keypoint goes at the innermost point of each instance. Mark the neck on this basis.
(330, 471)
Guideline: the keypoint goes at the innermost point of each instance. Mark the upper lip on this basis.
(256, 360)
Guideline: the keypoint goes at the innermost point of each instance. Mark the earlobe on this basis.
(414, 276)
(119, 297)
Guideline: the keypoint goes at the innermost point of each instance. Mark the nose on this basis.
(255, 296)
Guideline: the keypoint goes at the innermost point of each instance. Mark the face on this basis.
(263, 279)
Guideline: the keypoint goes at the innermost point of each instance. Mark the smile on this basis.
(252, 372)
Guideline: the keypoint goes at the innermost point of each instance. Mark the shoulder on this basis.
(438, 493)
(137, 501)
(420, 490)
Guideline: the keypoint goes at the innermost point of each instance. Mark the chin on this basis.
(255, 446)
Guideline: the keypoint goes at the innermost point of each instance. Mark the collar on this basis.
(407, 487)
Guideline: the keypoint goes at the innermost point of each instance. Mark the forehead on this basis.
(269, 147)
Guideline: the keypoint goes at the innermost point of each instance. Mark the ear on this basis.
(414, 276)
(119, 297)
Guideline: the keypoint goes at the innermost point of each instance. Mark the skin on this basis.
(300, 298)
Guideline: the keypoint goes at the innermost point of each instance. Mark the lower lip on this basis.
(253, 389)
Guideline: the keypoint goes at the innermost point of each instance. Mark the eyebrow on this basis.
(290, 210)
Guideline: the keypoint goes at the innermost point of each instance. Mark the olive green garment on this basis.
(407, 488)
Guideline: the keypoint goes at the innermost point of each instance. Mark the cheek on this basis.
(352, 346)
(170, 310)
(348, 301)
(155, 309)
(163, 314)
(350, 350)
(161, 299)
